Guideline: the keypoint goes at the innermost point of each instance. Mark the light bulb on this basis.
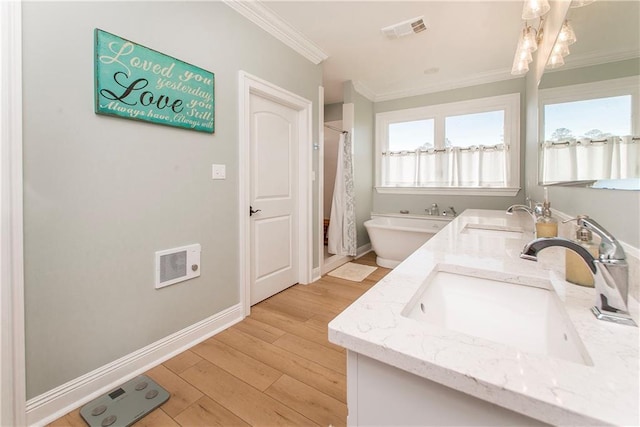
(561, 48)
(519, 67)
(567, 35)
(524, 55)
(533, 9)
(528, 40)
(555, 61)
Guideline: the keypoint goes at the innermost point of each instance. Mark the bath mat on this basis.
(352, 271)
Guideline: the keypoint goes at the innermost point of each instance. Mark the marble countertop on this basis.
(551, 390)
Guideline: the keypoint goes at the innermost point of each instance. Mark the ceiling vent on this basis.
(405, 28)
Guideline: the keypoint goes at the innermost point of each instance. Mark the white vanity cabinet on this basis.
(380, 394)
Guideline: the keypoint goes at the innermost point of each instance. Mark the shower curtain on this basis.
(342, 222)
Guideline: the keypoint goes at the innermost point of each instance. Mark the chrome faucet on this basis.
(610, 271)
(433, 210)
(525, 208)
(535, 212)
(450, 212)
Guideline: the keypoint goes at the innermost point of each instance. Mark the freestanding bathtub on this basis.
(396, 236)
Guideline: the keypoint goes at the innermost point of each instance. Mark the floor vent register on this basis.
(126, 404)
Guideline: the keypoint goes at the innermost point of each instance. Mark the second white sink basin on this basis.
(521, 312)
(493, 231)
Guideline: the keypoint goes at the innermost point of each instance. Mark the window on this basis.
(595, 118)
(411, 135)
(588, 130)
(469, 147)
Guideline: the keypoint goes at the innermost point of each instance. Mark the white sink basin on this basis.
(523, 312)
(493, 231)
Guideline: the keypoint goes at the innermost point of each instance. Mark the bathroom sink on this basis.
(522, 312)
(493, 231)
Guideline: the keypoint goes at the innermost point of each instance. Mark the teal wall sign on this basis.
(135, 82)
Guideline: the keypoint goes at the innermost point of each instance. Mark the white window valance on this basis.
(476, 166)
(615, 157)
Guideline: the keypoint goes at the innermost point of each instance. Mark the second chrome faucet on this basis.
(535, 212)
(610, 271)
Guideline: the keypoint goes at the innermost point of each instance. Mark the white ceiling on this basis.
(466, 42)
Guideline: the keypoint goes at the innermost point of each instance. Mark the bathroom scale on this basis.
(126, 404)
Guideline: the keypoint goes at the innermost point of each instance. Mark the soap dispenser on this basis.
(546, 225)
(576, 270)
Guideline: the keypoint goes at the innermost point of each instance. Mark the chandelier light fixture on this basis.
(530, 36)
(561, 47)
(527, 44)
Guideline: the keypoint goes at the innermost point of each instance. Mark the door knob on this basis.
(251, 211)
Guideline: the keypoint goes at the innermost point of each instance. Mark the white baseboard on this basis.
(55, 403)
(316, 274)
(363, 250)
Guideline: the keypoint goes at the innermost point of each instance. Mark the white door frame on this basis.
(12, 333)
(319, 176)
(249, 85)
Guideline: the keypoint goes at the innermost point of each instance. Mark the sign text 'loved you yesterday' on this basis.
(136, 82)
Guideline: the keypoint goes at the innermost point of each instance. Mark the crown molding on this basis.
(265, 18)
(478, 79)
(597, 58)
(364, 90)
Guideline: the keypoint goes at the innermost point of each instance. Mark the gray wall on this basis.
(363, 159)
(102, 194)
(595, 73)
(385, 203)
(333, 112)
(618, 211)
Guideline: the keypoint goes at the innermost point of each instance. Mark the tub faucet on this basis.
(610, 271)
(450, 212)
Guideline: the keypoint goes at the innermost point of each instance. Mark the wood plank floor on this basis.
(275, 368)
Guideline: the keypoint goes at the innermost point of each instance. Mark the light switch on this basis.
(219, 171)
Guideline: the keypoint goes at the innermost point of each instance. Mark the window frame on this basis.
(510, 103)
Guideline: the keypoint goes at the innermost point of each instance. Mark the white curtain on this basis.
(342, 222)
(451, 167)
(586, 160)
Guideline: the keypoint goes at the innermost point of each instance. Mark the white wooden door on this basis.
(273, 195)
